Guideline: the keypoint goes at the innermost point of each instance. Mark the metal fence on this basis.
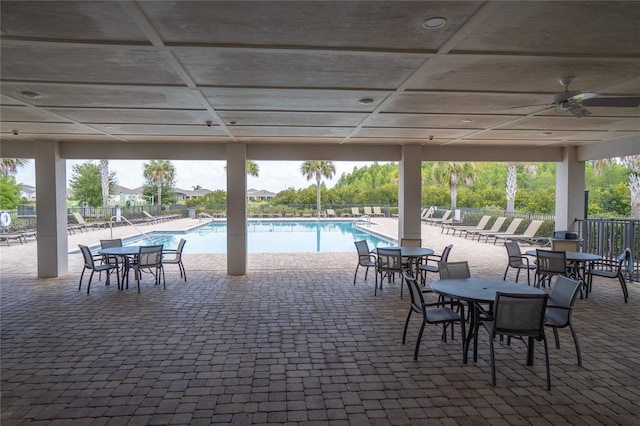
(609, 238)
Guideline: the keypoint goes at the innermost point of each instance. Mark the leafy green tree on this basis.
(86, 184)
(10, 166)
(149, 190)
(632, 163)
(159, 173)
(453, 174)
(317, 170)
(10, 197)
(286, 197)
(217, 197)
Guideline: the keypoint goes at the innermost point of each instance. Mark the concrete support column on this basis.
(409, 193)
(51, 209)
(570, 187)
(236, 209)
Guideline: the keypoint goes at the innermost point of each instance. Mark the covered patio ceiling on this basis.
(324, 73)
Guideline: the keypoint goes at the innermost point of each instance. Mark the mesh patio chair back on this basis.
(454, 270)
(149, 257)
(389, 264)
(366, 259)
(116, 242)
(90, 264)
(431, 313)
(517, 261)
(432, 263)
(549, 263)
(560, 309)
(113, 260)
(174, 257)
(611, 269)
(520, 315)
(411, 242)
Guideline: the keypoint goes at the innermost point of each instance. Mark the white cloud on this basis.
(274, 176)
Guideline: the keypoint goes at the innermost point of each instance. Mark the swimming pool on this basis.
(269, 237)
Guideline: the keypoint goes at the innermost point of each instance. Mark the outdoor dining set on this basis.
(504, 308)
(114, 257)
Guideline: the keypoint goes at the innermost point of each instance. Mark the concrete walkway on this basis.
(291, 342)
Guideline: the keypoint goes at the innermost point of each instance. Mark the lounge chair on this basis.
(355, 212)
(528, 236)
(427, 214)
(440, 220)
(6, 236)
(331, 213)
(511, 230)
(367, 211)
(497, 225)
(81, 221)
(377, 212)
(456, 228)
(149, 218)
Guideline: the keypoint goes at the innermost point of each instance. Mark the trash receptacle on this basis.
(192, 212)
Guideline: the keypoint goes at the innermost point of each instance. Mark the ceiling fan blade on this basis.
(622, 102)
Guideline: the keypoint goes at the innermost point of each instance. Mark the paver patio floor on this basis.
(291, 342)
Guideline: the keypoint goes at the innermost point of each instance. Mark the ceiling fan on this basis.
(575, 101)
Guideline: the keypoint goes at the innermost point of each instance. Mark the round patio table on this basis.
(413, 254)
(480, 290)
(578, 260)
(124, 253)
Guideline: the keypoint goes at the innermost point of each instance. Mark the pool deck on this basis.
(291, 342)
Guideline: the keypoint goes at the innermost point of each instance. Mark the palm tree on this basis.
(10, 166)
(104, 181)
(159, 172)
(451, 173)
(252, 168)
(318, 169)
(512, 182)
(632, 162)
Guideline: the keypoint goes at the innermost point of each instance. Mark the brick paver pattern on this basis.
(292, 342)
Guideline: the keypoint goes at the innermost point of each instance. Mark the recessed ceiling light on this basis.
(31, 95)
(466, 120)
(433, 23)
(365, 101)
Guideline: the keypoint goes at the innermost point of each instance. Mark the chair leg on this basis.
(493, 361)
(356, 274)
(575, 341)
(415, 353)
(518, 275)
(504, 277)
(184, 272)
(81, 275)
(89, 284)
(546, 358)
(556, 337)
(623, 284)
(406, 325)
(366, 272)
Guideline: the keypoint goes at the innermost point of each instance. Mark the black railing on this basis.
(609, 238)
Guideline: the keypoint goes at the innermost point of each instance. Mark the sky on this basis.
(274, 176)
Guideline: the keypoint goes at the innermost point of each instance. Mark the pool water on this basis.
(269, 237)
